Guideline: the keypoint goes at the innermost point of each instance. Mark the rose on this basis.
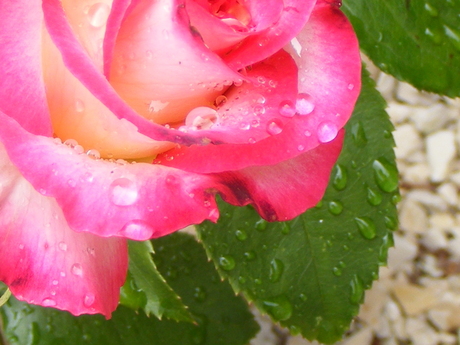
(201, 88)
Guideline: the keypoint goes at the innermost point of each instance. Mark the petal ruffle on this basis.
(161, 69)
(44, 262)
(22, 92)
(105, 198)
(330, 73)
(283, 191)
(261, 45)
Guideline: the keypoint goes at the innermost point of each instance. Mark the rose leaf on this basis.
(415, 41)
(310, 273)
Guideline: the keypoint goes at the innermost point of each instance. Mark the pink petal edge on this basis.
(46, 263)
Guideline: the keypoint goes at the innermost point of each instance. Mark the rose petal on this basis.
(330, 73)
(44, 262)
(134, 199)
(22, 93)
(160, 69)
(257, 47)
(283, 191)
(77, 114)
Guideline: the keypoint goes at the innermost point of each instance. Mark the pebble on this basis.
(441, 150)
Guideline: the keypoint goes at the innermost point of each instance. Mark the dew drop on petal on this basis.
(79, 106)
(287, 108)
(62, 246)
(88, 300)
(123, 192)
(48, 302)
(72, 143)
(77, 270)
(327, 131)
(220, 100)
(304, 104)
(94, 154)
(274, 127)
(201, 118)
(137, 230)
(98, 14)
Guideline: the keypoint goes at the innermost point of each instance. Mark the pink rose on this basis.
(203, 89)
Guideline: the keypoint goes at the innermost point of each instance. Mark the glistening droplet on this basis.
(137, 230)
(98, 14)
(276, 270)
(357, 290)
(201, 118)
(227, 262)
(366, 227)
(339, 177)
(88, 300)
(287, 109)
(274, 127)
(304, 104)
(386, 175)
(278, 307)
(77, 270)
(241, 235)
(335, 207)
(327, 131)
(123, 192)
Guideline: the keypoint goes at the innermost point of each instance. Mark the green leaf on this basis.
(310, 273)
(220, 317)
(416, 41)
(224, 316)
(33, 325)
(145, 287)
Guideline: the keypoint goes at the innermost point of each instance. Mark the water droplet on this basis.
(335, 207)
(199, 294)
(431, 10)
(123, 192)
(220, 100)
(94, 154)
(303, 297)
(137, 230)
(79, 106)
(245, 125)
(276, 270)
(373, 197)
(327, 131)
(227, 262)
(48, 302)
(388, 242)
(300, 147)
(358, 134)
(287, 108)
(88, 300)
(340, 177)
(55, 282)
(366, 227)
(201, 118)
(278, 307)
(258, 110)
(304, 104)
(395, 199)
(285, 228)
(21, 246)
(391, 222)
(257, 281)
(241, 280)
(98, 14)
(386, 175)
(350, 87)
(62, 246)
(241, 235)
(453, 35)
(337, 271)
(72, 143)
(261, 225)
(77, 270)
(249, 256)
(274, 127)
(357, 290)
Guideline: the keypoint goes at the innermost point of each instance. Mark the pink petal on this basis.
(120, 8)
(283, 191)
(292, 18)
(330, 73)
(161, 69)
(44, 262)
(78, 115)
(137, 201)
(21, 86)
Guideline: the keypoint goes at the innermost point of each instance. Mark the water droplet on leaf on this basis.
(278, 307)
(340, 177)
(374, 197)
(241, 235)
(386, 175)
(227, 262)
(357, 290)
(335, 207)
(276, 270)
(366, 227)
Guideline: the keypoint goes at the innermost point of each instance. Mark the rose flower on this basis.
(123, 119)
